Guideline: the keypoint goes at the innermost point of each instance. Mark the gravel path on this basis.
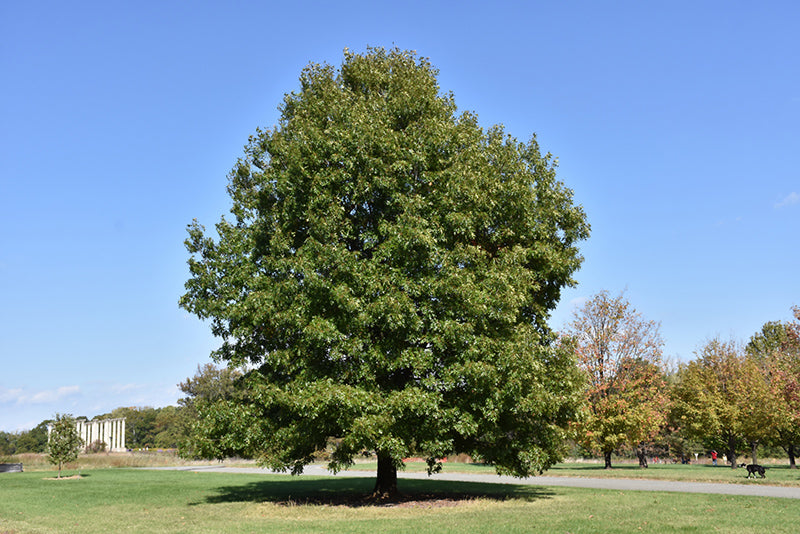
(617, 484)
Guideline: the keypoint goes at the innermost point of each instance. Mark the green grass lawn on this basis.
(130, 500)
(777, 474)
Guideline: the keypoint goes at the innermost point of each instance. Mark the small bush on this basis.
(96, 447)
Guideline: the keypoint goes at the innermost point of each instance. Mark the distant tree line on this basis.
(34, 440)
(145, 427)
(736, 398)
(732, 397)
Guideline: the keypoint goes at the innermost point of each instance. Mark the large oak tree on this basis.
(387, 277)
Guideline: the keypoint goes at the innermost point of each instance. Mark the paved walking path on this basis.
(626, 484)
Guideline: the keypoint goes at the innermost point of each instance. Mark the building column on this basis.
(81, 429)
(123, 445)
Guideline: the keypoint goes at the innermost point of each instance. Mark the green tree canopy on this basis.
(34, 440)
(210, 383)
(389, 274)
(140, 425)
(8, 443)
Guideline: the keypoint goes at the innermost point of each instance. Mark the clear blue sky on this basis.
(676, 124)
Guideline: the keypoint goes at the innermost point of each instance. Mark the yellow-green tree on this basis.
(723, 396)
(776, 348)
(759, 403)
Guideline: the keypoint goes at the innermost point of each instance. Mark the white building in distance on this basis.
(108, 431)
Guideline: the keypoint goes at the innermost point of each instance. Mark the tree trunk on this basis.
(753, 447)
(386, 482)
(732, 451)
(790, 452)
(640, 453)
(607, 458)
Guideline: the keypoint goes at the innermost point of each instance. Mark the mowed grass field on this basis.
(133, 500)
(778, 473)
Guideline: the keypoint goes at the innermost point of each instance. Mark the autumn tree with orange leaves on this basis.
(626, 396)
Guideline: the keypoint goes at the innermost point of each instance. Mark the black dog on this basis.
(754, 469)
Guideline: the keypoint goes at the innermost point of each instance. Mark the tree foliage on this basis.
(147, 427)
(389, 273)
(8, 443)
(723, 394)
(209, 385)
(759, 403)
(776, 349)
(34, 440)
(64, 443)
(620, 352)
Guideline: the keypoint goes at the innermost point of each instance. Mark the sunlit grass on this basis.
(777, 473)
(129, 500)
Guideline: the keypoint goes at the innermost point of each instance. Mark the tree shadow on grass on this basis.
(357, 492)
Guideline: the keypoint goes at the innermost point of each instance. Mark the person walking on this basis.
(714, 457)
